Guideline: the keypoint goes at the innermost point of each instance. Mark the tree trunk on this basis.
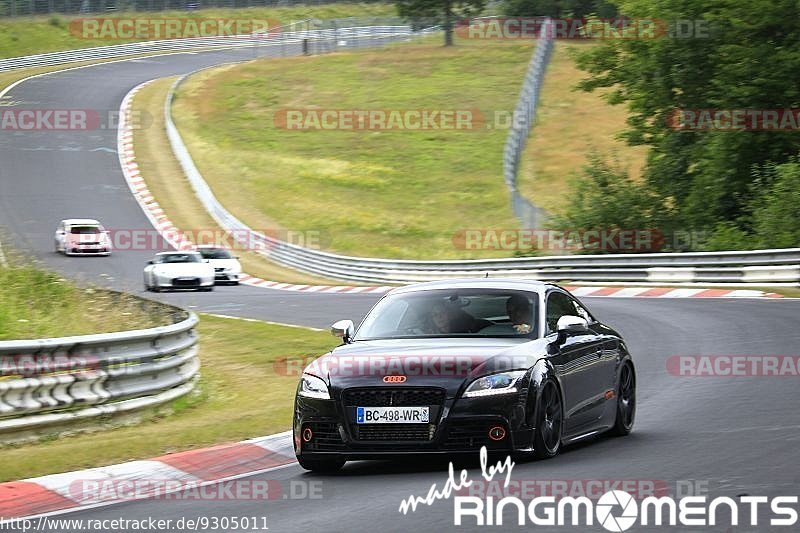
(448, 23)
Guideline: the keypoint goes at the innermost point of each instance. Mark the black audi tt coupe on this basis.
(445, 367)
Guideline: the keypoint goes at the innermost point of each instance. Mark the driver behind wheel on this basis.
(519, 313)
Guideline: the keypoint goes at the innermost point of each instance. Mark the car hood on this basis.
(448, 363)
(184, 269)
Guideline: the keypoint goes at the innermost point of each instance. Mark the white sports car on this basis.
(82, 236)
(178, 270)
(227, 268)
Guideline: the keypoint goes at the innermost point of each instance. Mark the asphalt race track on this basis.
(735, 435)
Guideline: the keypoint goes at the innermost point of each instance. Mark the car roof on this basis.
(211, 247)
(519, 284)
(80, 222)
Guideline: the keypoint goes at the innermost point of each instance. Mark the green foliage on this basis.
(604, 197)
(440, 12)
(728, 236)
(746, 57)
(559, 8)
(776, 211)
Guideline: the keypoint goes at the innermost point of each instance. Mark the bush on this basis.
(605, 197)
(776, 210)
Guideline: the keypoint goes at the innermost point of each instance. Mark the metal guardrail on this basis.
(322, 39)
(51, 382)
(524, 115)
(20, 8)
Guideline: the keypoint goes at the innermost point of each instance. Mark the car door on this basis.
(578, 364)
(605, 371)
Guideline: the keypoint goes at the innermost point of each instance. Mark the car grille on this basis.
(469, 434)
(186, 282)
(393, 432)
(393, 396)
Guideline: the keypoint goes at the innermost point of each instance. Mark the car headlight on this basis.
(313, 387)
(501, 383)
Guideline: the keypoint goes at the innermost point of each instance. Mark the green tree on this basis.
(604, 197)
(440, 12)
(559, 8)
(776, 211)
(741, 54)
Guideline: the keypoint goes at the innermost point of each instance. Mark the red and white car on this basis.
(82, 236)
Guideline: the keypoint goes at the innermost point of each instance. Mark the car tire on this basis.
(549, 422)
(322, 466)
(626, 401)
(207, 289)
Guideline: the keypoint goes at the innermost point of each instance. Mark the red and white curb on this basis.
(182, 471)
(177, 239)
(668, 292)
(161, 222)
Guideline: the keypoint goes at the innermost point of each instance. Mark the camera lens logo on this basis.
(620, 522)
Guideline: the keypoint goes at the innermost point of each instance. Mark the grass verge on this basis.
(21, 36)
(242, 393)
(398, 193)
(570, 126)
(35, 303)
(172, 191)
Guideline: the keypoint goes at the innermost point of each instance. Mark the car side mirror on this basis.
(567, 325)
(343, 329)
(572, 324)
(150, 262)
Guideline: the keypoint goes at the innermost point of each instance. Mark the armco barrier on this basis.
(50, 382)
(529, 215)
(321, 40)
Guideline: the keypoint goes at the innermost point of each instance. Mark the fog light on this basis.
(497, 433)
(307, 435)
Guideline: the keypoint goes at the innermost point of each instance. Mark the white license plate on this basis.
(392, 415)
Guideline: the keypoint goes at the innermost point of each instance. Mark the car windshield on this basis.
(215, 253)
(453, 313)
(178, 258)
(84, 230)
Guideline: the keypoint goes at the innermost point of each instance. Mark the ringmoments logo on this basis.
(615, 510)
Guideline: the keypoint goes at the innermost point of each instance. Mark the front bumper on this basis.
(184, 283)
(87, 250)
(226, 277)
(460, 425)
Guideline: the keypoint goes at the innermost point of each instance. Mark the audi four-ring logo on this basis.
(394, 379)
